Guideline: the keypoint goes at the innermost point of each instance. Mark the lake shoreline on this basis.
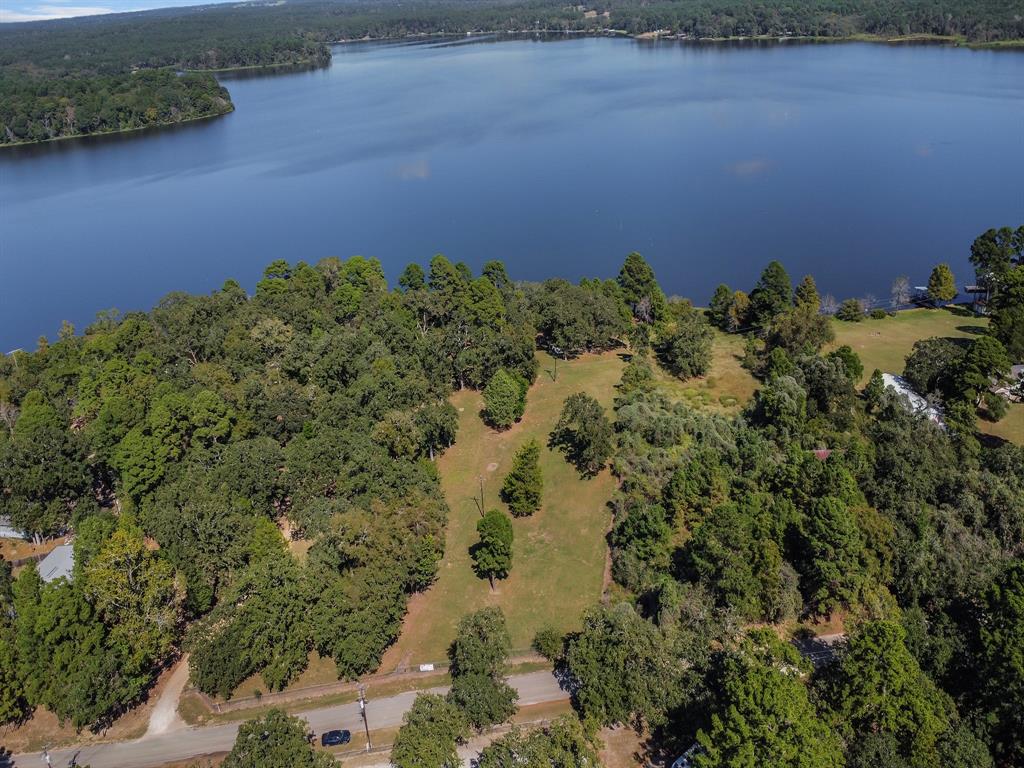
(668, 35)
(554, 158)
(660, 35)
(121, 131)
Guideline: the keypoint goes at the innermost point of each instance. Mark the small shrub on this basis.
(548, 643)
(995, 407)
(851, 310)
(879, 314)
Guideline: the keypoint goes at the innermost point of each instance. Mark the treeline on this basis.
(218, 37)
(35, 109)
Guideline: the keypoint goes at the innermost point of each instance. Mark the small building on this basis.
(914, 401)
(980, 296)
(58, 564)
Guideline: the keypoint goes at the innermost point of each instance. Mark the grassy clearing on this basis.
(885, 344)
(1011, 427)
(727, 386)
(559, 552)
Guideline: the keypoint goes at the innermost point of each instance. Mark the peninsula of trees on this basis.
(75, 77)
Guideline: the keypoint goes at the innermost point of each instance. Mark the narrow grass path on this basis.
(559, 552)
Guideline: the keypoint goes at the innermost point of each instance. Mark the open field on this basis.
(559, 552)
(885, 344)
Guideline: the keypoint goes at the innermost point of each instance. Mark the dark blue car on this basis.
(335, 738)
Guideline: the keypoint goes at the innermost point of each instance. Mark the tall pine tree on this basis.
(524, 485)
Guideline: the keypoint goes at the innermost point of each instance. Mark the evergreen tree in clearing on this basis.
(718, 309)
(492, 555)
(941, 284)
(524, 485)
(504, 399)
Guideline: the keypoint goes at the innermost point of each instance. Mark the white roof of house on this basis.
(58, 563)
(8, 531)
(917, 403)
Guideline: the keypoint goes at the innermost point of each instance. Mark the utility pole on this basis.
(362, 710)
(480, 501)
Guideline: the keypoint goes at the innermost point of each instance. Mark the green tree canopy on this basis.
(276, 740)
(584, 433)
(772, 294)
(1002, 643)
(941, 284)
(1007, 312)
(622, 668)
(762, 717)
(685, 349)
(994, 252)
(563, 744)
(483, 699)
(481, 644)
(881, 688)
(524, 484)
(504, 399)
(641, 291)
(429, 735)
(492, 554)
(718, 308)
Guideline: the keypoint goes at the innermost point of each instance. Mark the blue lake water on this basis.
(855, 162)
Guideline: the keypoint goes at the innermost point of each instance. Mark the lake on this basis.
(855, 162)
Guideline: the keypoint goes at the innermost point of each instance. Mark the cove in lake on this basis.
(855, 162)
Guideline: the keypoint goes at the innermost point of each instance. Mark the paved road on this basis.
(154, 750)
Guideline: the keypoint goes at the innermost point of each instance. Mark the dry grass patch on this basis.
(622, 747)
(727, 386)
(16, 549)
(559, 552)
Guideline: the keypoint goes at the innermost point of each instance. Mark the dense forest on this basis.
(180, 444)
(51, 70)
(39, 109)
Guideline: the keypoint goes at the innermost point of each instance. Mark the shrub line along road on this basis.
(533, 688)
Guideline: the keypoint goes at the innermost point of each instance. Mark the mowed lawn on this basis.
(885, 344)
(559, 552)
